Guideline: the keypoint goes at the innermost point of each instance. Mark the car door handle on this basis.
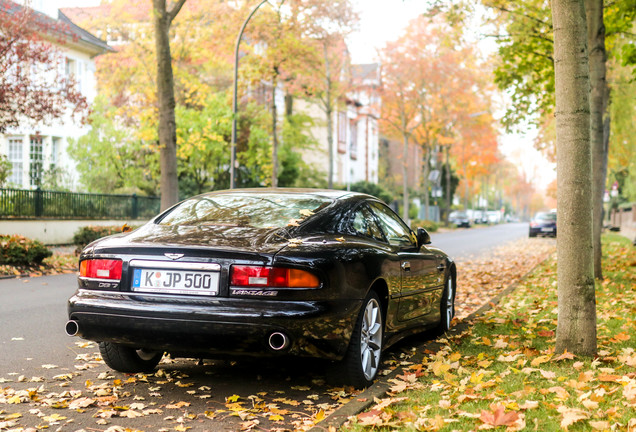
(406, 266)
(441, 267)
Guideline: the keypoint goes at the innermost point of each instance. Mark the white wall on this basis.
(55, 232)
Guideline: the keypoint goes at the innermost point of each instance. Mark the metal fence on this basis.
(33, 204)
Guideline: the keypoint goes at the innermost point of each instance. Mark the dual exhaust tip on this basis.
(71, 328)
(277, 341)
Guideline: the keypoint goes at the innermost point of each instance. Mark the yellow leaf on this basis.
(541, 359)
(232, 399)
(276, 417)
(320, 416)
(440, 368)
(14, 400)
(476, 378)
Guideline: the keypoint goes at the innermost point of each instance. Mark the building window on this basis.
(342, 132)
(55, 148)
(36, 159)
(16, 159)
(353, 147)
(69, 67)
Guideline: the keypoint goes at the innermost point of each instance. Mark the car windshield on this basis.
(546, 216)
(249, 210)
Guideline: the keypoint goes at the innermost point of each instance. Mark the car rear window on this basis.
(546, 216)
(248, 210)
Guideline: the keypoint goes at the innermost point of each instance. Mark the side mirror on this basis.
(423, 237)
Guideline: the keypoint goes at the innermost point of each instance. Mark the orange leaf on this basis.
(498, 417)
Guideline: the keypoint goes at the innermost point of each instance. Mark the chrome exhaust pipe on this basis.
(278, 341)
(72, 328)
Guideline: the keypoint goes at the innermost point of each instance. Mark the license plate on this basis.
(547, 229)
(169, 281)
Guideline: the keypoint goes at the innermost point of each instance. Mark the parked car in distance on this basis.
(480, 217)
(460, 219)
(263, 272)
(543, 224)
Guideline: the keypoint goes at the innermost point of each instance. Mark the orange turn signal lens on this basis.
(302, 279)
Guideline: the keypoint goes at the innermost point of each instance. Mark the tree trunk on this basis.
(274, 135)
(329, 114)
(427, 171)
(598, 110)
(405, 178)
(165, 94)
(447, 193)
(576, 327)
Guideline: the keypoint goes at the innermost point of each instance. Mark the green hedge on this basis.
(20, 251)
(428, 225)
(89, 234)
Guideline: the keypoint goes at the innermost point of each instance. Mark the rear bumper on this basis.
(543, 231)
(214, 327)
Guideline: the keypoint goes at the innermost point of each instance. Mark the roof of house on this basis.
(366, 71)
(63, 27)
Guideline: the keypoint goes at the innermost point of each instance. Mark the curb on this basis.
(381, 387)
(23, 275)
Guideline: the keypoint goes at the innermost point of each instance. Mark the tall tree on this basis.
(599, 120)
(576, 328)
(162, 19)
(29, 62)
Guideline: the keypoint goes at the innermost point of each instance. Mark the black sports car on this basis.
(321, 273)
(543, 224)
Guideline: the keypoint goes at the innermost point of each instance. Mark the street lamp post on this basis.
(235, 95)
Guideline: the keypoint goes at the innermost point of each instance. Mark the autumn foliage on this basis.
(29, 63)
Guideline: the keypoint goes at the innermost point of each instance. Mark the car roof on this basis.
(326, 193)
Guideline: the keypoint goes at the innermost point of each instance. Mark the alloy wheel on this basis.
(371, 339)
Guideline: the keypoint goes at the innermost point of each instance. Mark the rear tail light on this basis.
(272, 277)
(101, 269)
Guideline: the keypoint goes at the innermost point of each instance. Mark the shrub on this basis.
(89, 234)
(20, 251)
(428, 225)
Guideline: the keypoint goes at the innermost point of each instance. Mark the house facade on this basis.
(35, 150)
(355, 151)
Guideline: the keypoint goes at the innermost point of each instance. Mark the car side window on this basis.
(395, 230)
(364, 224)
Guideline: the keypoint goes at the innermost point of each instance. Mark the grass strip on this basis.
(501, 372)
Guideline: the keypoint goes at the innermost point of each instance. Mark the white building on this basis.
(356, 131)
(34, 150)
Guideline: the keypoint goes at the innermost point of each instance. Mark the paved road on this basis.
(33, 312)
(465, 243)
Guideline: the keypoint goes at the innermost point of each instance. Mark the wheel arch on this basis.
(381, 287)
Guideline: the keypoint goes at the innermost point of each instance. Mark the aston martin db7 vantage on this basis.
(263, 272)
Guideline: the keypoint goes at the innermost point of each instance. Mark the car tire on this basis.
(447, 306)
(126, 359)
(532, 234)
(362, 361)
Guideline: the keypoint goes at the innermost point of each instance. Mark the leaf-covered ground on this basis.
(63, 260)
(501, 371)
(275, 395)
